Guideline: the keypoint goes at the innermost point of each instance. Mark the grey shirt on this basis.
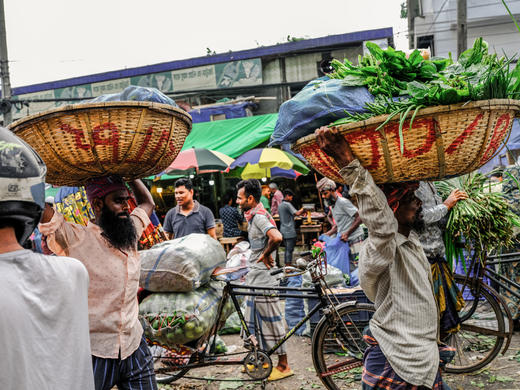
(257, 232)
(286, 212)
(433, 213)
(344, 213)
(395, 274)
(199, 220)
(44, 328)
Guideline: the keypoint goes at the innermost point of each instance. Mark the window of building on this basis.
(426, 42)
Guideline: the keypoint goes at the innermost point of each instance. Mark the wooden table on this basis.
(310, 230)
(228, 242)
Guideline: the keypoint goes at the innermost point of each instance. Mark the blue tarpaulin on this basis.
(231, 111)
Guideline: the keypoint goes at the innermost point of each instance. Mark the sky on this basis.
(57, 39)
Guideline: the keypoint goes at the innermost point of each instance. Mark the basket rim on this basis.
(159, 107)
(350, 127)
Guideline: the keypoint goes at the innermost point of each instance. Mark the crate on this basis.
(343, 295)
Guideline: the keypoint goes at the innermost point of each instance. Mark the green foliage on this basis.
(404, 85)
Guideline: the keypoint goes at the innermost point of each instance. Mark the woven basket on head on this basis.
(82, 141)
(444, 141)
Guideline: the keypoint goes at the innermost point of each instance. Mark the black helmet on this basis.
(22, 185)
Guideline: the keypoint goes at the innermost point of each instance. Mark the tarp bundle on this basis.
(319, 103)
(181, 265)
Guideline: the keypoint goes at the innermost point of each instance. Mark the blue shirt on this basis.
(199, 220)
(230, 218)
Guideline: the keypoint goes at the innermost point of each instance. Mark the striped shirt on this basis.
(396, 276)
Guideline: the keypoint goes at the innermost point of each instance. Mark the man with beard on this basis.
(262, 313)
(108, 249)
(394, 273)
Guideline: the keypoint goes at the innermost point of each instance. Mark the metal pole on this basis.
(411, 25)
(462, 28)
(4, 63)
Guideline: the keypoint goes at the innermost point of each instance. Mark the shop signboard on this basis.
(226, 75)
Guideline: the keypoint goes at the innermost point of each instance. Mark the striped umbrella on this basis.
(201, 160)
(266, 158)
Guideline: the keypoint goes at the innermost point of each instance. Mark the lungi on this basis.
(378, 374)
(263, 317)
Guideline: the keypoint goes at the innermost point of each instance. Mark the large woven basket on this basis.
(444, 141)
(82, 141)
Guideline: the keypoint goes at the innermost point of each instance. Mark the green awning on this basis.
(232, 137)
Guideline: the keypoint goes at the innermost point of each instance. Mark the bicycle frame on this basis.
(204, 357)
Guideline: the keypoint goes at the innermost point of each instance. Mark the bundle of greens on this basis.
(402, 86)
(483, 222)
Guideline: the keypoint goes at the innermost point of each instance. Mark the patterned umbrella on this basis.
(202, 160)
(262, 159)
(255, 172)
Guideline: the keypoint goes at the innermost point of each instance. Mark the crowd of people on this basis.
(73, 316)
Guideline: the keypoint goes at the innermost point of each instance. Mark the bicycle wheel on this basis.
(167, 368)
(338, 346)
(482, 331)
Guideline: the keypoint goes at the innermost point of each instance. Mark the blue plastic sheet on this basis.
(134, 93)
(338, 252)
(294, 307)
(319, 103)
(238, 110)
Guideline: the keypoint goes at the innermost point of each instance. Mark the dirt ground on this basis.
(502, 373)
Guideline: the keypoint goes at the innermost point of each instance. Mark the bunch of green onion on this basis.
(483, 222)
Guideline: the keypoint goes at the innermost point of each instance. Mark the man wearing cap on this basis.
(108, 249)
(346, 217)
(276, 198)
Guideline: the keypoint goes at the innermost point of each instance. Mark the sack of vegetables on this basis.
(430, 118)
(177, 318)
(181, 265)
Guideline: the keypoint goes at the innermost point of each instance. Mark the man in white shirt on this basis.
(44, 329)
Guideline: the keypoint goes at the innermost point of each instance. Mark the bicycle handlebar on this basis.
(277, 271)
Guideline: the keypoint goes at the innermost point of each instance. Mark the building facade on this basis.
(433, 23)
(272, 74)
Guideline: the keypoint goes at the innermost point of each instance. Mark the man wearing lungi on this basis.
(262, 313)
(394, 273)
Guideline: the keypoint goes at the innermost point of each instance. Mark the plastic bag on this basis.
(177, 318)
(232, 325)
(294, 307)
(319, 103)
(220, 345)
(338, 252)
(135, 93)
(334, 277)
(181, 265)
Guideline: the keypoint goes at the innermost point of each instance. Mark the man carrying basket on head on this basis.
(108, 249)
(395, 274)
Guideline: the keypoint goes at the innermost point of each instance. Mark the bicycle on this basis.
(486, 322)
(337, 342)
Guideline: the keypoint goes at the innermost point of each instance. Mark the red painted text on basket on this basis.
(428, 141)
(113, 140)
(373, 137)
(498, 135)
(465, 134)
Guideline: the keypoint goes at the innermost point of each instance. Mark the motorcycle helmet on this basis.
(22, 185)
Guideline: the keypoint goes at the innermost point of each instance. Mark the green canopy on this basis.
(232, 137)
